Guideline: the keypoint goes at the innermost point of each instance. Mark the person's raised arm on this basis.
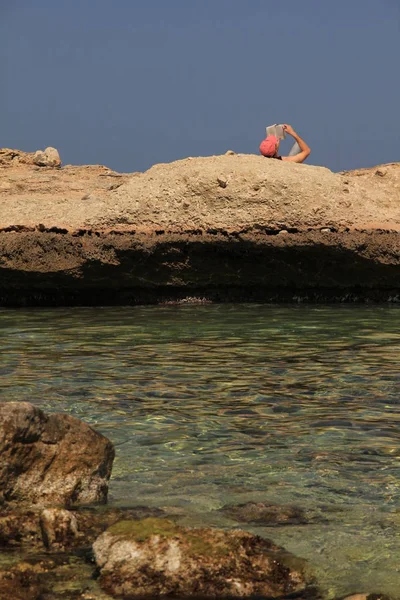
(305, 149)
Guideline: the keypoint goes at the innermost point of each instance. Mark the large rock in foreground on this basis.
(51, 459)
(154, 558)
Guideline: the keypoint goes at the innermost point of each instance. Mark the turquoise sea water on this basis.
(226, 404)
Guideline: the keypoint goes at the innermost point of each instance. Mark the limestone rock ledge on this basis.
(219, 228)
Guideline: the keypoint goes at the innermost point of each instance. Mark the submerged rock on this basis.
(20, 583)
(20, 529)
(155, 557)
(366, 597)
(51, 459)
(59, 529)
(50, 577)
(269, 514)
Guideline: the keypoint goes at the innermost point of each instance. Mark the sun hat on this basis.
(268, 146)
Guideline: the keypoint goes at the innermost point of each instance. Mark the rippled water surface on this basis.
(214, 405)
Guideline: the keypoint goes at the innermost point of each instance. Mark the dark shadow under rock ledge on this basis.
(126, 268)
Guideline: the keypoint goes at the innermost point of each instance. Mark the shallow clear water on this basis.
(213, 405)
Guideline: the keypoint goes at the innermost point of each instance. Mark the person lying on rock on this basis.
(270, 147)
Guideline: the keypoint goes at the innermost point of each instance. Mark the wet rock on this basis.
(97, 595)
(20, 529)
(268, 514)
(59, 528)
(92, 523)
(188, 300)
(20, 583)
(47, 158)
(50, 577)
(52, 459)
(366, 597)
(155, 557)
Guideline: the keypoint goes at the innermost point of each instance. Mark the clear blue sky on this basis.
(129, 83)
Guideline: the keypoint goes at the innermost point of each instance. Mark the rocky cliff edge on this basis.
(232, 227)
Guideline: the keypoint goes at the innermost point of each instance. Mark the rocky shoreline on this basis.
(57, 542)
(216, 229)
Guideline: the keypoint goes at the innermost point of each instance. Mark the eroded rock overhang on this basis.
(88, 267)
(212, 229)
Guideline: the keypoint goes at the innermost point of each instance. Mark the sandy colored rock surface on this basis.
(233, 227)
(231, 192)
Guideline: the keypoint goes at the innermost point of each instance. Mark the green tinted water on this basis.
(213, 405)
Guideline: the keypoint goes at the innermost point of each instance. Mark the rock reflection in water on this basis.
(211, 406)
